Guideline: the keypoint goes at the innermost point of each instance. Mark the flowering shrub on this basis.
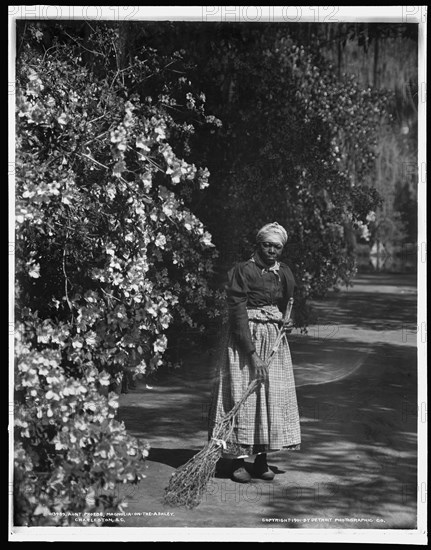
(71, 453)
(108, 257)
(113, 218)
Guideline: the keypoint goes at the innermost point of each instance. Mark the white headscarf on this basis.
(272, 231)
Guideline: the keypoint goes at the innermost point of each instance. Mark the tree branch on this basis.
(82, 46)
(110, 295)
(94, 160)
(100, 135)
(66, 282)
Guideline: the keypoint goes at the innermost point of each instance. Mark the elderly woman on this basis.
(258, 291)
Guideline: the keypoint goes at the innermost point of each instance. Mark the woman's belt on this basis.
(265, 314)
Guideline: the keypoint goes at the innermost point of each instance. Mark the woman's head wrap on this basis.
(272, 231)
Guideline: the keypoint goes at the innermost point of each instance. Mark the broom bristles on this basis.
(188, 484)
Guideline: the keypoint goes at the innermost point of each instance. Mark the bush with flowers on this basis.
(108, 256)
(71, 453)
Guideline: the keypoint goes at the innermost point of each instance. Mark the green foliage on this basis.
(108, 255)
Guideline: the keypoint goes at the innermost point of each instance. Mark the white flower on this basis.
(160, 131)
(90, 498)
(206, 239)
(113, 401)
(371, 216)
(62, 119)
(51, 395)
(143, 143)
(104, 378)
(34, 271)
(41, 510)
(160, 241)
(21, 423)
(91, 338)
(160, 344)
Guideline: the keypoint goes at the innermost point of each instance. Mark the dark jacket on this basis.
(251, 285)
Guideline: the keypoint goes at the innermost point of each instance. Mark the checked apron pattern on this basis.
(269, 419)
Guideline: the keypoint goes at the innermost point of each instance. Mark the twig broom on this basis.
(189, 482)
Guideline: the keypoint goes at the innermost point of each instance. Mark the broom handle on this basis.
(280, 334)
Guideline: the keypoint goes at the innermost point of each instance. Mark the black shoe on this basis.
(261, 469)
(239, 473)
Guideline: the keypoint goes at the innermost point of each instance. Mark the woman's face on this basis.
(270, 251)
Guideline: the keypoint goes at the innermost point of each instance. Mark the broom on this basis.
(188, 483)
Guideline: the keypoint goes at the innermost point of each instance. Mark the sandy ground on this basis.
(356, 376)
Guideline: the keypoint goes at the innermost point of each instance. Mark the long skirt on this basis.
(269, 419)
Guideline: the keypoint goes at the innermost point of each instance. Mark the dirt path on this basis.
(356, 378)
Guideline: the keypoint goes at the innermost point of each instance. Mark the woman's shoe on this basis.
(239, 473)
(261, 468)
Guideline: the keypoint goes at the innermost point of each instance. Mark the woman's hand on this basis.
(260, 367)
(288, 326)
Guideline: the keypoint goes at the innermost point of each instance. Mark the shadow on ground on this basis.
(171, 457)
(358, 408)
(376, 302)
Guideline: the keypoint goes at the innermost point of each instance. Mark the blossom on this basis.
(160, 344)
(34, 271)
(160, 241)
(51, 395)
(371, 216)
(104, 378)
(206, 239)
